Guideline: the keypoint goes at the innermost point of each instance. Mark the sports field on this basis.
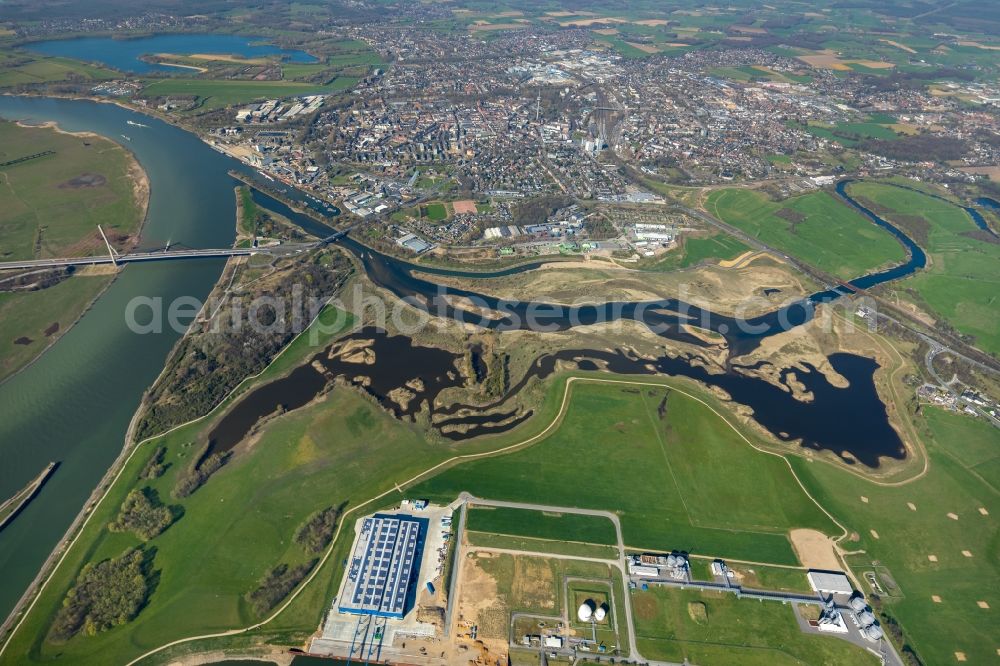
(962, 283)
(682, 479)
(934, 539)
(714, 628)
(435, 211)
(816, 228)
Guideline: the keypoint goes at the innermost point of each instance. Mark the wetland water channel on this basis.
(74, 404)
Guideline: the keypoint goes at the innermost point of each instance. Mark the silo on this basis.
(586, 611)
(873, 633)
(866, 618)
(858, 603)
(600, 613)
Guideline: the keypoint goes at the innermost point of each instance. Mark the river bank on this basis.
(55, 302)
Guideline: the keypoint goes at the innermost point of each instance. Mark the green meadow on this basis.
(816, 228)
(946, 545)
(715, 247)
(534, 524)
(51, 205)
(24, 69)
(236, 527)
(31, 315)
(677, 481)
(961, 283)
(714, 628)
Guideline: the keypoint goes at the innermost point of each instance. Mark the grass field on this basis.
(435, 211)
(851, 134)
(316, 457)
(962, 282)
(51, 205)
(490, 540)
(678, 482)
(30, 314)
(31, 69)
(214, 94)
(816, 228)
(947, 521)
(695, 250)
(563, 527)
(709, 628)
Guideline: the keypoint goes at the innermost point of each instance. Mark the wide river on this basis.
(74, 404)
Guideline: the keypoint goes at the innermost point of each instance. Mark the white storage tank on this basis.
(873, 633)
(858, 603)
(586, 611)
(866, 618)
(600, 613)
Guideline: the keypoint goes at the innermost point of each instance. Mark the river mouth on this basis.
(408, 379)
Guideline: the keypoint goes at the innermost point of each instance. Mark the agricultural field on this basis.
(934, 539)
(527, 523)
(851, 134)
(961, 282)
(686, 485)
(816, 228)
(709, 628)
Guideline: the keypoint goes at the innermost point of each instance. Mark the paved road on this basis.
(621, 563)
(134, 257)
(888, 652)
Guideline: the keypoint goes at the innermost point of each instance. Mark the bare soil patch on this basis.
(814, 549)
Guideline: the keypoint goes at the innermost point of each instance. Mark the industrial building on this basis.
(383, 570)
(829, 582)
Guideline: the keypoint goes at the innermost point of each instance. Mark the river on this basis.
(74, 404)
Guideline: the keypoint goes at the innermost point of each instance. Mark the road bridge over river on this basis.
(166, 255)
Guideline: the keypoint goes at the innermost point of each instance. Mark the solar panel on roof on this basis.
(387, 554)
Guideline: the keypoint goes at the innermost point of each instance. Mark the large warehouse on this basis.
(381, 578)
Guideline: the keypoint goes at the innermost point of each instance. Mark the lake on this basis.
(125, 54)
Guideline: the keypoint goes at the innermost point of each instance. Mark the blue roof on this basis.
(384, 566)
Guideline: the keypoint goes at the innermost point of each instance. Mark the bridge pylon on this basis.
(111, 250)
